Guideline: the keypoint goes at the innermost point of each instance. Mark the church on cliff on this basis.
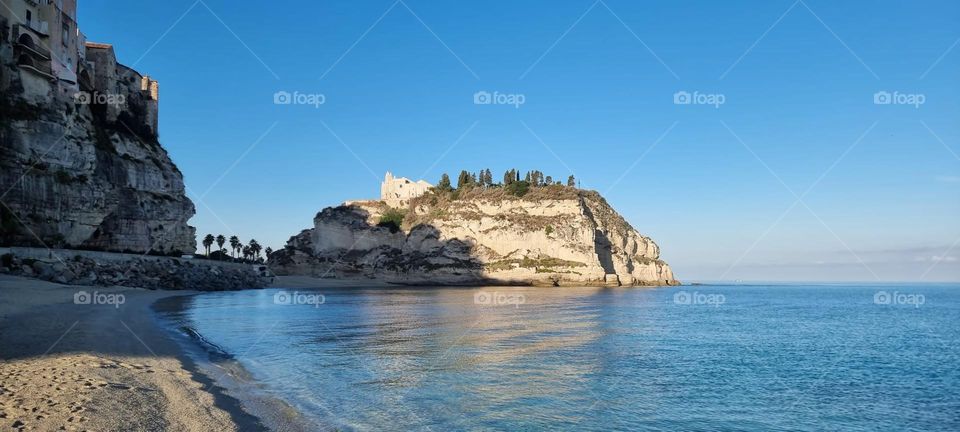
(397, 191)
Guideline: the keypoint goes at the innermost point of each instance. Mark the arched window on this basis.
(26, 40)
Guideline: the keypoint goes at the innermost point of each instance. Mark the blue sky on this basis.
(716, 186)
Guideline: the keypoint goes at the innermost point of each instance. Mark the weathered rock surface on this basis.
(72, 176)
(145, 272)
(552, 236)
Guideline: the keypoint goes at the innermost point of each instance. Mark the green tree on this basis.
(234, 245)
(444, 184)
(463, 180)
(267, 252)
(518, 188)
(207, 242)
(549, 180)
(508, 177)
(246, 252)
(220, 241)
(255, 248)
(572, 182)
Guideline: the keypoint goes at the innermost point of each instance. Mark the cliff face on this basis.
(73, 175)
(552, 236)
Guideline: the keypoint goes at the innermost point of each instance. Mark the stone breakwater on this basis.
(146, 272)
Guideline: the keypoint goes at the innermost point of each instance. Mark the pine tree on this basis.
(571, 182)
(444, 184)
(463, 180)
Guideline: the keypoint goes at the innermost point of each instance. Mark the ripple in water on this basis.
(763, 358)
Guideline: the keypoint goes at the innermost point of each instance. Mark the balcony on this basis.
(27, 41)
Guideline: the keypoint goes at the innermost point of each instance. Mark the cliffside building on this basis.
(49, 47)
(397, 192)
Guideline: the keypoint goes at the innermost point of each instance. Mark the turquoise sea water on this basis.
(788, 357)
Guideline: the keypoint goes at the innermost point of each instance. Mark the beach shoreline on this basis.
(103, 365)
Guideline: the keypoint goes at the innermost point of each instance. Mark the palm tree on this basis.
(255, 248)
(234, 245)
(220, 241)
(207, 242)
(246, 252)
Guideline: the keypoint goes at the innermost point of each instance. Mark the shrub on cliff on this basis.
(518, 188)
(392, 219)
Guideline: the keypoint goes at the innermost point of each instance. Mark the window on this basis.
(66, 34)
(29, 18)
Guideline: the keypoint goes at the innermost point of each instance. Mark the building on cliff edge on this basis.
(398, 191)
(49, 45)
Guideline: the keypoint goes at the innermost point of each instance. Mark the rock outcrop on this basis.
(84, 268)
(554, 235)
(85, 172)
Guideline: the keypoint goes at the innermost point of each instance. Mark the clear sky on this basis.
(797, 175)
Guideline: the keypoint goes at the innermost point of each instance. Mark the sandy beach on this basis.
(67, 366)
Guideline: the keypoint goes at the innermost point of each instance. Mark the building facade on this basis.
(398, 191)
(49, 45)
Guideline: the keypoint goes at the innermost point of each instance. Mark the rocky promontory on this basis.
(553, 235)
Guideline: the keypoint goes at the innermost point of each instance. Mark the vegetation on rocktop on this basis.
(512, 183)
(393, 219)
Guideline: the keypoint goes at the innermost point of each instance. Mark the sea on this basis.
(712, 357)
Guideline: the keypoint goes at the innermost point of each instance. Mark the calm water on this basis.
(685, 358)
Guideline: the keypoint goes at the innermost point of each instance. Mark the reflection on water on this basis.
(596, 358)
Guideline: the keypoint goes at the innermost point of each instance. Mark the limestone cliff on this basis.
(80, 174)
(554, 235)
